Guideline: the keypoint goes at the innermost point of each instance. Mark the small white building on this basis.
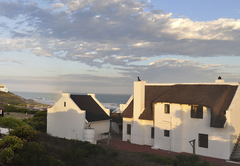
(3, 88)
(71, 116)
(170, 116)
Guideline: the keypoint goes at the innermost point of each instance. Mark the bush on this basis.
(34, 154)
(24, 132)
(6, 155)
(91, 149)
(158, 159)
(39, 121)
(10, 144)
(74, 157)
(40, 114)
(11, 123)
(191, 160)
(11, 108)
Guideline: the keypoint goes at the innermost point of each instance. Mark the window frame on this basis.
(197, 111)
(166, 133)
(202, 140)
(152, 132)
(129, 129)
(167, 108)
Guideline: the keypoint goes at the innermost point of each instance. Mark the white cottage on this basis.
(171, 116)
(71, 116)
(3, 88)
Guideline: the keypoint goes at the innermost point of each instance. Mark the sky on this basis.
(92, 46)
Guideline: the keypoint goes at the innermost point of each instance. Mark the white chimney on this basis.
(137, 134)
(219, 80)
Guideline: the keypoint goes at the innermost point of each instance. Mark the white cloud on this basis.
(177, 71)
(109, 30)
(58, 6)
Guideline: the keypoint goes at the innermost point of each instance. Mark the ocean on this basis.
(111, 101)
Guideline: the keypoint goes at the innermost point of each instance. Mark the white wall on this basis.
(66, 122)
(4, 89)
(137, 135)
(100, 127)
(115, 127)
(125, 136)
(233, 114)
(147, 125)
(146, 131)
(183, 128)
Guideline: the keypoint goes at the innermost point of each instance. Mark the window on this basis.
(65, 104)
(128, 129)
(152, 132)
(197, 111)
(166, 108)
(203, 140)
(166, 133)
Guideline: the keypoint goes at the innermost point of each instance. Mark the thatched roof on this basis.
(128, 112)
(151, 94)
(116, 117)
(93, 111)
(216, 97)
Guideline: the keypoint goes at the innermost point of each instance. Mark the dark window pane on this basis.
(166, 108)
(166, 133)
(203, 140)
(129, 129)
(197, 111)
(152, 132)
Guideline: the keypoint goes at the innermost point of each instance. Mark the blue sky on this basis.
(92, 46)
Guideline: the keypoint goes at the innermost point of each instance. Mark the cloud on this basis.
(58, 6)
(35, 84)
(159, 71)
(115, 32)
(12, 60)
(178, 71)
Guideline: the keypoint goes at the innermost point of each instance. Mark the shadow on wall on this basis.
(68, 124)
(218, 139)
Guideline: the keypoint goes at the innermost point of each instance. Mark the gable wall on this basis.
(233, 118)
(125, 136)
(146, 126)
(100, 127)
(66, 122)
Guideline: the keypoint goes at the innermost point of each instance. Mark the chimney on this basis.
(219, 80)
(139, 98)
(137, 131)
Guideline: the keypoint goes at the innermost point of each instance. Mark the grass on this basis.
(17, 116)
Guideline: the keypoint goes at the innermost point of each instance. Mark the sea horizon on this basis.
(111, 101)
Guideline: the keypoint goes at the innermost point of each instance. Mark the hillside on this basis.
(11, 98)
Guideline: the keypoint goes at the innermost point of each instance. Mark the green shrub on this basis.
(24, 132)
(40, 114)
(157, 159)
(90, 148)
(191, 160)
(77, 156)
(12, 123)
(39, 121)
(35, 154)
(6, 155)
(11, 108)
(11, 144)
